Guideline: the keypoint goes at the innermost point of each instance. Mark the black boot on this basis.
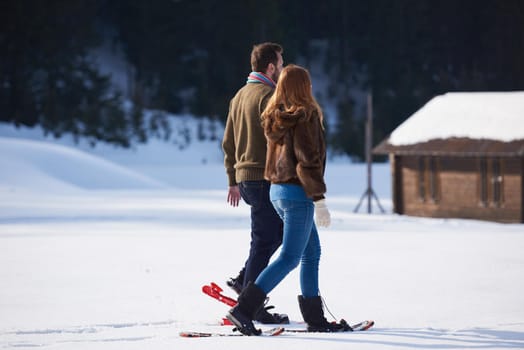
(237, 283)
(250, 301)
(263, 316)
(313, 314)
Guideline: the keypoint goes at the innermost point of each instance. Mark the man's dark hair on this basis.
(264, 54)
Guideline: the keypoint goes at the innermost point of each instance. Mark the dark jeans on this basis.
(266, 227)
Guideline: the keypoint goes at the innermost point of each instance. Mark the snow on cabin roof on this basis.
(497, 116)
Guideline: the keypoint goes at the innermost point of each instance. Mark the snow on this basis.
(32, 163)
(107, 248)
(495, 116)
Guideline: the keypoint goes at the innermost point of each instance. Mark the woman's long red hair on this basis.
(293, 93)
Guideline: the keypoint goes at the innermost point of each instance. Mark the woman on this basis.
(296, 154)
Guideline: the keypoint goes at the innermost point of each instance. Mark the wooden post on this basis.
(369, 128)
(369, 193)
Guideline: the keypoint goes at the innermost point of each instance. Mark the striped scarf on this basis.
(260, 78)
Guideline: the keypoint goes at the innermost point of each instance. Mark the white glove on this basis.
(322, 216)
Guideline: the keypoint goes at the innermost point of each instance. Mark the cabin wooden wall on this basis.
(451, 187)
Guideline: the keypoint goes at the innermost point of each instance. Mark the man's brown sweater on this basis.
(244, 143)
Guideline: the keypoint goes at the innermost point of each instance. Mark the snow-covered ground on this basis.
(108, 249)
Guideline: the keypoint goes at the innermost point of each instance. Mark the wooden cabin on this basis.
(460, 156)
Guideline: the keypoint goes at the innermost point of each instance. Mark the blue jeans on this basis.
(301, 244)
(266, 227)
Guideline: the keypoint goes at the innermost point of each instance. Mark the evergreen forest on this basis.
(191, 56)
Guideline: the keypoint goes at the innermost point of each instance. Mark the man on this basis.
(244, 146)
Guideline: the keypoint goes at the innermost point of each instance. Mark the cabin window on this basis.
(422, 178)
(433, 179)
(483, 182)
(496, 181)
(428, 179)
(491, 182)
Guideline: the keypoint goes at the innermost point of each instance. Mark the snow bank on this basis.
(45, 166)
(479, 115)
(186, 145)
